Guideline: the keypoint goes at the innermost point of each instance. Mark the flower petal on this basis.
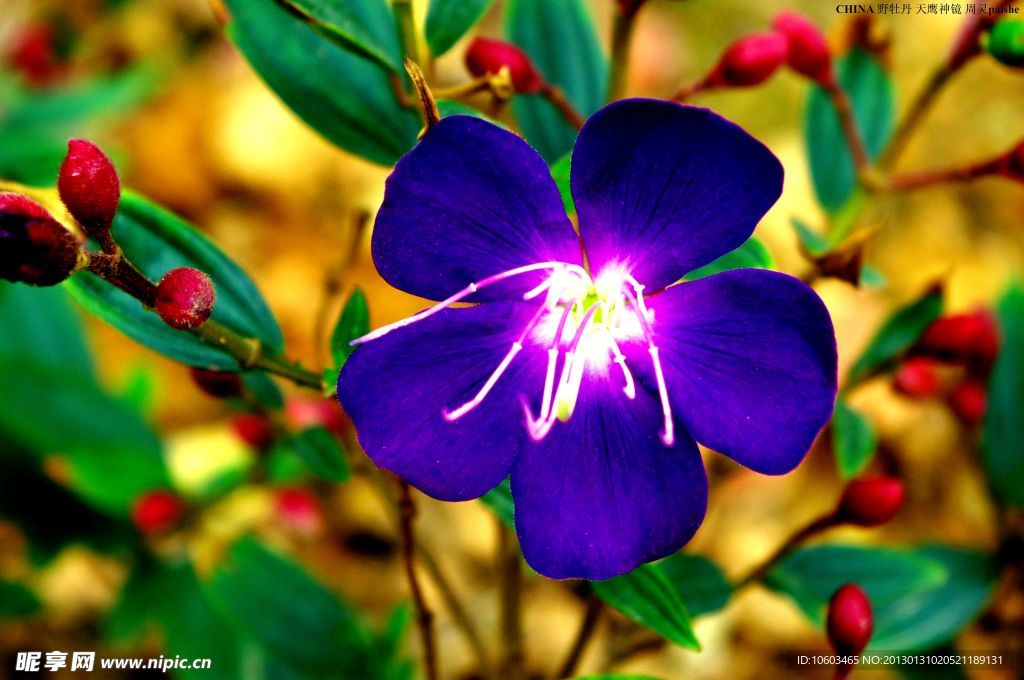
(601, 494)
(662, 189)
(470, 200)
(750, 362)
(396, 387)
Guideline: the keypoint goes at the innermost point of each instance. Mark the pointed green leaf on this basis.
(499, 499)
(1003, 434)
(814, 243)
(753, 254)
(648, 597)
(871, 94)
(353, 323)
(157, 241)
(560, 39)
(898, 333)
(449, 20)
(322, 454)
(347, 98)
(853, 440)
(366, 27)
(560, 170)
(700, 583)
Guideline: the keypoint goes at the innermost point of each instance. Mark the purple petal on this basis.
(750, 362)
(662, 189)
(396, 387)
(470, 200)
(601, 494)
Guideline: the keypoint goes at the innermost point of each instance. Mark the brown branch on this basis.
(511, 667)
(424, 617)
(558, 99)
(591, 617)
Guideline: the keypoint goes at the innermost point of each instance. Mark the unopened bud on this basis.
(751, 60)
(807, 51)
(1006, 42)
(34, 247)
(255, 430)
(156, 511)
(917, 377)
(33, 53)
(970, 337)
(969, 400)
(487, 57)
(184, 298)
(219, 384)
(300, 509)
(302, 413)
(89, 186)
(871, 501)
(850, 621)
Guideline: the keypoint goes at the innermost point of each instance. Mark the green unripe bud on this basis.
(1006, 42)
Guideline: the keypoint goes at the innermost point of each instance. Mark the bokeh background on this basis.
(205, 137)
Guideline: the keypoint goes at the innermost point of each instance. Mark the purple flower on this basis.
(584, 373)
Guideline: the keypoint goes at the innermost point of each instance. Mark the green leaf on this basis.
(871, 93)
(814, 243)
(47, 330)
(499, 499)
(560, 172)
(157, 241)
(17, 601)
(898, 333)
(366, 27)
(753, 254)
(263, 387)
(113, 456)
(561, 41)
(853, 440)
(347, 98)
(322, 454)
(700, 583)
(1004, 418)
(354, 322)
(648, 597)
(921, 598)
(449, 20)
(277, 604)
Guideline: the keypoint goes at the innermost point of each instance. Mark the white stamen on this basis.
(491, 381)
(668, 428)
(620, 359)
(464, 293)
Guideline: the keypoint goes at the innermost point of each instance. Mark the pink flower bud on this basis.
(807, 51)
(302, 413)
(89, 186)
(850, 621)
(486, 57)
(751, 60)
(33, 53)
(34, 248)
(184, 298)
(969, 401)
(871, 501)
(916, 377)
(219, 384)
(255, 430)
(300, 509)
(156, 511)
(971, 337)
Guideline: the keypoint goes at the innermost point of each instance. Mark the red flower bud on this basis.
(488, 56)
(962, 337)
(916, 377)
(300, 509)
(255, 430)
(1013, 163)
(184, 298)
(156, 511)
(219, 384)
(807, 51)
(871, 501)
(850, 622)
(89, 186)
(969, 401)
(302, 413)
(34, 248)
(33, 53)
(751, 60)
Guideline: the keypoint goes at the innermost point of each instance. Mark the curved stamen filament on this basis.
(668, 436)
(469, 290)
(620, 359)
(517, 346)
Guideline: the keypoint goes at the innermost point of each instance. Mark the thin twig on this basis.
(424, 617)
(926, 178)
(558, 99)
(591, 617)
(915, 114)
(428, 106)
(854, 140)
(511, 605)
(759, 572)
(622, 40)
